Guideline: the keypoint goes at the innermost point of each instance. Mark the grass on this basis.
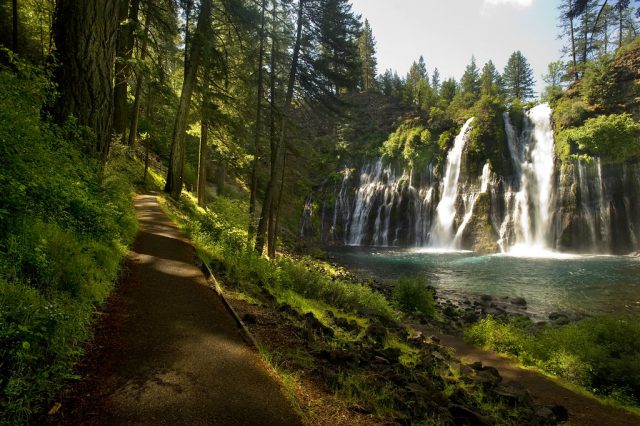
(599, 355)
(65, 223)
(222, 243)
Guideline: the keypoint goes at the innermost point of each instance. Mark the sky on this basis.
(448, 32)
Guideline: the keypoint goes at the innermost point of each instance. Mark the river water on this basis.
(589, 285)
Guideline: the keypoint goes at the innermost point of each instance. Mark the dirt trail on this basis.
(582, 410)
(167, 352)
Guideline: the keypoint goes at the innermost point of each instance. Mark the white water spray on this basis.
(442, 233)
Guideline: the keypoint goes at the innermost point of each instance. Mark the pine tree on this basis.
(417, 83)
(449, 89)
(435, 80)
(175, 178)
(367, 47)
(85, 35)
(518, 78)
(490, 80)
(470, 81)
(339, 59)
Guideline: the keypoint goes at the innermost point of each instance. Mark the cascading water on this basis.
(470, 204)
(538, 207)
(442, 234)
(532, 203)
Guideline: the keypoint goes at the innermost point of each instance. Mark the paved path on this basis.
(176, 356)
(582, 410)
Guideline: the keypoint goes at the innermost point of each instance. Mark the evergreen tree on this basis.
(417, 83)
(85, 34)
(518, 78)
(175, 177)
(386, 83)
(435, 79)
(449, 89)
(338, 32)
(553, 79)
(367, 47)
(490, 80)
(470, 81)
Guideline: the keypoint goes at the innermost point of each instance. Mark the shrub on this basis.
(598, 83)
(413, 295)
(601, 353)
(64, 226)
(614, 138)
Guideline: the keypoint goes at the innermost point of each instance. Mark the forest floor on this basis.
(583, 410)
(166, 350)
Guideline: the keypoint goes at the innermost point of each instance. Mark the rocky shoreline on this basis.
(460, 310)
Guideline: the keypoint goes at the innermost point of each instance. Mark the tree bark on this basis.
(573, 43)
(174, 182)
(85, 33)
(266, 205)
(124, 50)
(202, 153)
(220, 175)
(14, 32)
(258, 130)
(274, 225)
(137, 100)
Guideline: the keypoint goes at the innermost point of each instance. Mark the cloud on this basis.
(519, 3)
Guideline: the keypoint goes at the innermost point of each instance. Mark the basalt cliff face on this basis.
(535, 203)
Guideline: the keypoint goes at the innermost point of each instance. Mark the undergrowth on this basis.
(65, 223)
(600, 354)
(222, 242)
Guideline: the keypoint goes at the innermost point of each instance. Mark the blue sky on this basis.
(448, 32)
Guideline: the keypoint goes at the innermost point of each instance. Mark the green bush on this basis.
(614, 138)
(569, 112)
(602, 354)
(598, 83)
(413, 295)
(64, 227)
(217, 233)
(410, 142)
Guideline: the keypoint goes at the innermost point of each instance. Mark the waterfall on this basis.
(442, 233)
(470, 203)
(584, 206)
(533, 201)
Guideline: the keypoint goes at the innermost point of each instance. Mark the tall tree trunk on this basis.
(274, 226)
(14, 32)
(137, 100)
(85, 35)
(124, 50)
(201, 187)
(585, 36)
(258, 130)
(220, 177)
(266, 205)
(620, 23)
(174, 182)
(576, 76)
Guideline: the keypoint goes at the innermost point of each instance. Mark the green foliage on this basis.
(614, 138)
(598, 84)
(569, 112)
(487, 137)
(64, 226)
(553, 79)
(410, 142)
(601, 354)
(223, 244)
(516, 114)
(518, 77)
(413, 295)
